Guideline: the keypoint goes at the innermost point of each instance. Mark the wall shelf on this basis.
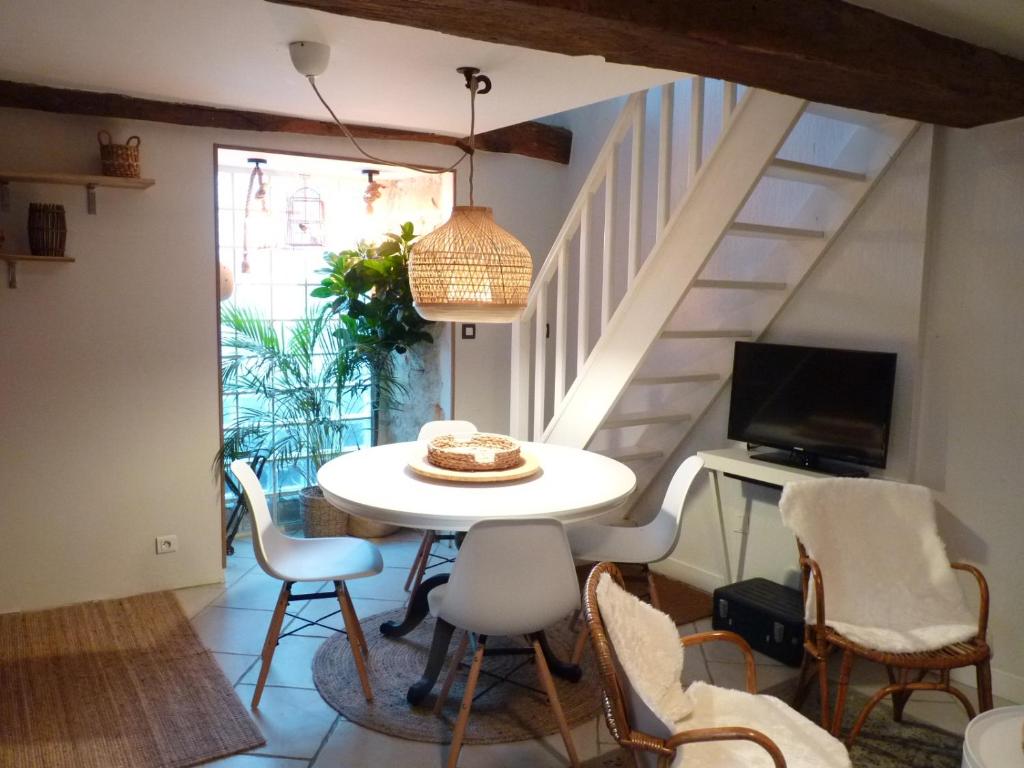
(12, 260)
(90, 182)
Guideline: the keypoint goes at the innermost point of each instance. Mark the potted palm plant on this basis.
(299, 390)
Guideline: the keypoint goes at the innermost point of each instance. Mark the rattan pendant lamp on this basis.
(469, 269)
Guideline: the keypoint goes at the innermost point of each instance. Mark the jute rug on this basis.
(114, 684)
(504, 713)
(882, 744)
(685, 604)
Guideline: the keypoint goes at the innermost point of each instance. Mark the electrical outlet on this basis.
(166, 544)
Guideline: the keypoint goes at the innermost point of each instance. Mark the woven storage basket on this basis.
(473, 453)
(47, 229)
(368, 529)
(119, 159)
(319, 517)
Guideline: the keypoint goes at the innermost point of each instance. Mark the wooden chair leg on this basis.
(823, 688)
(415, 567)
(459, 732)
(355, 637)
(803, 682)
(358, 626)
(652, 588)
(270, 644)
(844, 687)
(549, 685)
(453, 671)
(428, 545)
(581, 645)
(984, 673)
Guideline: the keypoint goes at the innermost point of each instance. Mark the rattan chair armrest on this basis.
(983, 593)
(730, 637)
(729, 733)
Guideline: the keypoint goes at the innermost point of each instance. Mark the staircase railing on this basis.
(537, 395)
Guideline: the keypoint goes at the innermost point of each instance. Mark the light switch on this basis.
(469, 330)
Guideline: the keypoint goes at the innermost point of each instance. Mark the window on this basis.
(312, 205)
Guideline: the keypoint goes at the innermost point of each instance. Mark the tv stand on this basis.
(760, 469)
(810, 462)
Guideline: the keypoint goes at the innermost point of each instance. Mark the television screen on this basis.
(813, 401)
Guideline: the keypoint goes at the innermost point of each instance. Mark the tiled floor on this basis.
(304, 732)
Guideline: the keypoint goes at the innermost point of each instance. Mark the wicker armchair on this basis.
(877, 585)
(643, 746)
(906, 671)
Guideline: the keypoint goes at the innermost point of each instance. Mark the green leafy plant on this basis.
(369, 291)
(300, 389)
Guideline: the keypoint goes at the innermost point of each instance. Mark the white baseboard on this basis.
(696, 577)
(1004, 684)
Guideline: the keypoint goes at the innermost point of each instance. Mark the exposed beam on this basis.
(537, 140)
(821, 50)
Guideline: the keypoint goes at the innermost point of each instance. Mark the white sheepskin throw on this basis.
(803, 744)
(888, 583)
(647, 647)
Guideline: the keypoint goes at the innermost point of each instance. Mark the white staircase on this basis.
(679, 244)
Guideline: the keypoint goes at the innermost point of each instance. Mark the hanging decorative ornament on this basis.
(373, 189)
(305, 217)
(469, 268)
(227, 282)
(257, 229)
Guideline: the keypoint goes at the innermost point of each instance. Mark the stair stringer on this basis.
(700, 221)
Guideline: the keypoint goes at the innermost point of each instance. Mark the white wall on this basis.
(108, 367)
(970, 445)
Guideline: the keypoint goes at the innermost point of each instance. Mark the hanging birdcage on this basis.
(305, 217)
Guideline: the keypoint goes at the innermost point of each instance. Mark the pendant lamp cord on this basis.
(473, 87)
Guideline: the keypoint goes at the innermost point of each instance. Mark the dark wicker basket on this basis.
(119, 159)
(47, 229)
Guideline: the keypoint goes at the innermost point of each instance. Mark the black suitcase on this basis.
(767, 615)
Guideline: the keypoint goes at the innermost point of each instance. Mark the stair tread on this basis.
(749, 229)
(678, 379)
(633, 454)
(636, 418)
(717, 333)
(794, 170)
(741, 285)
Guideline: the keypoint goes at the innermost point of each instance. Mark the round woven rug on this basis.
(501, 712)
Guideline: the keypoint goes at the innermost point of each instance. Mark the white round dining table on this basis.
(378, 483)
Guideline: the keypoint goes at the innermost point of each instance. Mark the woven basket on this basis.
(368, 529)
(47, 229)
(119, 159)
(473, 453)
(319, 517)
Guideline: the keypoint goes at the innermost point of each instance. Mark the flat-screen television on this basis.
(813, 403)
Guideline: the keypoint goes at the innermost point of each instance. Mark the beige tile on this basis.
(259, 591)
(728, 675)
(232, 630)
(256, 761)
(948, 715)
(294, 721)
(234, 665)
(389, 584)
(193, 599)
(352, 745)
(237, 567)
(292, 665)
(535, 753)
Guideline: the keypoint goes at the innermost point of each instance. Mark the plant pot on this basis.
(368, 529)
(319, 517)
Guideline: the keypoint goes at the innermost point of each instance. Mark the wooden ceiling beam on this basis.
(536, 140)
(822, 50)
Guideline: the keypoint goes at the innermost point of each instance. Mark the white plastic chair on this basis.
(293, 560)
(512, 577)
(421, 563)
(643, 544)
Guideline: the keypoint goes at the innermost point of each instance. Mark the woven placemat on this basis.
(112, 684)
(507, 712)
